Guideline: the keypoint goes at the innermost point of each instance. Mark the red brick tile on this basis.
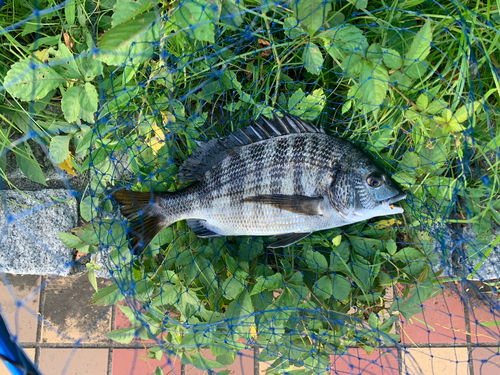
(486, 361)
(358, 362)
(442, 321)
(136, 362)
(77, 362)
(453, 361)
(68, 315)
(485, 323)
(242, 365)
(23, 318)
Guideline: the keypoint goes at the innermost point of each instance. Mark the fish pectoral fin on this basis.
(287, 239)
(199, 228)
(299, 204)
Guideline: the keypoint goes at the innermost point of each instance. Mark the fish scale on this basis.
(280, 177)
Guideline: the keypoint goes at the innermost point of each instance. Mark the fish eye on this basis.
(375, 181)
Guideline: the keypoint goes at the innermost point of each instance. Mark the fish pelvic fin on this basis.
(145, 221)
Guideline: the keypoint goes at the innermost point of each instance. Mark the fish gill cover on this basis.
(123, 92)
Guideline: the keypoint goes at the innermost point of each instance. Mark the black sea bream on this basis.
(282, 177)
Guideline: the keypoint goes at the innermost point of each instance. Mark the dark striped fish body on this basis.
(281, 177)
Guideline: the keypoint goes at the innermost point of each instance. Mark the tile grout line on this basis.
(398, 332)
(110, 350)
(468, 332)
(32, 345)
(256, 360)
(38, 337)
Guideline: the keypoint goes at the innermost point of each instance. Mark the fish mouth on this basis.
(388, 204)
(395, 199)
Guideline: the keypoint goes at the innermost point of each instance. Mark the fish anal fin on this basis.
(288, 239)
(299, 204)
(199, 228)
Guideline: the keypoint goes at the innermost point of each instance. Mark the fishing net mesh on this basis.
(414, 83)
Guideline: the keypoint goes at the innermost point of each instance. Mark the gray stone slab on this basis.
(29, 223)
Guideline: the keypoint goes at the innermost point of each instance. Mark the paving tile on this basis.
(22, 319)
(486, 361)
(3, 368)
(484, 323)
(359, 362)
(442, 321)
(67, 313)
(136, 362)
(242, 365)
(435, 361)
(73, 362)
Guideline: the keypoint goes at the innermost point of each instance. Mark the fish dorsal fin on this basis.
(212, 152)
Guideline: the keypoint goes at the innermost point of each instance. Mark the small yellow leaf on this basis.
(253, 332)
(67, 166)
(385, 224)
(42, 54)
(336, 241)
(158, 139)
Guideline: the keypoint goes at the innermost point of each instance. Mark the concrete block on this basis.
(29, 223)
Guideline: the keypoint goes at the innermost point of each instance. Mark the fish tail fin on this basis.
(145, 223)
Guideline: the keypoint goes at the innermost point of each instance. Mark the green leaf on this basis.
(422, 102)
(341, 288)
(374, 53)
(359, 4)
(408, 254)
(87, 233)
(250, 248)
(29, 79)
(69, 240)
(313, 59)
(88, 208)
(292, 28)
(28, 164)
(195, 17)
(239, 314)
(392, 59)
(107, 296)
(463, 113)
(375, 83)
(88, 98)
(125, 33)
(59, 148)
(316, 261)
(271, 283)
(232, 13)
(353, 64)
(421, 45)
(69, 12)
(323, 288)
(232, 287)
(123, 336)
(344, 40)
(391, 247)
(69, 103)
(308, 107)
(158, 371)
(312, 14)
(92, 277)
(125, 10)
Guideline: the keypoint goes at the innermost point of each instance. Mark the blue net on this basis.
(103, 98)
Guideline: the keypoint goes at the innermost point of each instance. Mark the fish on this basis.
(278, 177)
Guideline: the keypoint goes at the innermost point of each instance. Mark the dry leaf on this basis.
(262, 44)
(67, 41)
